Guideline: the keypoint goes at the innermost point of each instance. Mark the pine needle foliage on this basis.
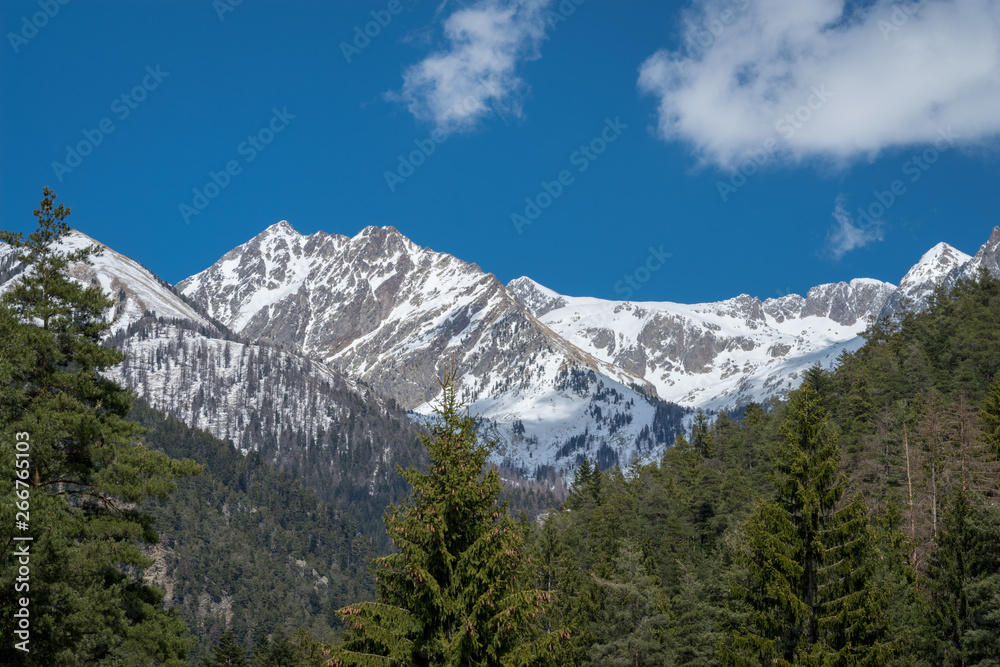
(457, 591)
(809, 593)
(89, 468)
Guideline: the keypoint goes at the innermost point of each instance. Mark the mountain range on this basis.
(288, 338)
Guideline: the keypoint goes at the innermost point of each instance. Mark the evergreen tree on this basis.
(964, 577)
(275, 651)
(701, 436)
(87, 471)
(228, 652)
(989, 418)
(559, 574)
(457, 592)
(808, 590)
(633, 620)
(583, 486)
(697, 612)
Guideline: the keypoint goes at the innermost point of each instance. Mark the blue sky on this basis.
(835, 102)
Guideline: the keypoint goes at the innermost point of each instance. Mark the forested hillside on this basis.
(245, 547)
(858, 523)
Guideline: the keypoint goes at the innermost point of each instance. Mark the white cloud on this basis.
(844, 235)
(892, 75)
(477, 74)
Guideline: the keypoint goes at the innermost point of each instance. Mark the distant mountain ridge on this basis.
(384, 310)
(554, 378)
(535, 364)
(323, 427)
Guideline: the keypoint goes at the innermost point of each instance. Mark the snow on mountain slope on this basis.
(714, 355)
(135, 290)
(987, 257)
(257, 396)
(394, 314)
(231, 388)
(926, 275)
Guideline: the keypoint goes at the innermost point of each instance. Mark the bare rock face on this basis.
(933, 269)
(987, 258)
(847, 303)
(310, 419)
(715, 355)
(395, 315)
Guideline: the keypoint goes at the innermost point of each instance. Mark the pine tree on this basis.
(808, 591)
(633, 621)
(558, 574)
(989, 418)
(701, 436)
(275, 651)
(582, 492)
(964, 578)
(457, 592)
(696, 616)
(87, 471)
(228, 652)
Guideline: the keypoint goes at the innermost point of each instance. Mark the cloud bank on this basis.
(815, 79)
(476, 75)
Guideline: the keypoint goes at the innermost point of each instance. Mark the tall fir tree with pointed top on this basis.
(633, 621)
(458, 592)
(227, 653)
(989, 418)
(87, 471)
(808, 593)
(964, 582)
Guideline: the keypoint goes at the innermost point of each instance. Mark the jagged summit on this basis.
(535, 297)
(554, 377)
(938, 265)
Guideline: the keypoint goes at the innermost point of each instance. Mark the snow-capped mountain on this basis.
(714, 355)
(290, 408)
(554, 377)
(394, 314)
(926, 275)
(329, 327)
(134, 289)
(988, 257)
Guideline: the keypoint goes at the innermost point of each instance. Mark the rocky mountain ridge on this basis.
(267, 347)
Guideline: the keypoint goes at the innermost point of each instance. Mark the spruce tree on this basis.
(964, 578)
(989, 418)
(228, 652)
(633, 621)
(808, 594)
(458, 591)
(88, 469)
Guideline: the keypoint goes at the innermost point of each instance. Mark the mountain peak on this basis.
(537, 298)
(281, 228)
(934, 266)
